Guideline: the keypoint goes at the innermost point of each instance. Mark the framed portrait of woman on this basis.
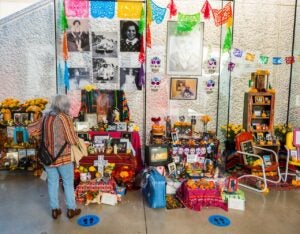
(184, 50)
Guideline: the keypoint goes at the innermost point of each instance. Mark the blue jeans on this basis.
(67, 174)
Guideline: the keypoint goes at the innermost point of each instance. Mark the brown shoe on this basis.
(71, 213)
(56, 213)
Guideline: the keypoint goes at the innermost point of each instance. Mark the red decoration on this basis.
(142, 51)
(148, 36)
(65, 47)
(206, 8)
(290, 60)
(173, 9)
(221, 16)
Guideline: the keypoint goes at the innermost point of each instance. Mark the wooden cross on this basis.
(100, 163)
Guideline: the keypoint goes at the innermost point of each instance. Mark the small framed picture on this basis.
(31, 152)
(121, 126)
(22, 153)
(112, 127)
(294, 154)
(172, 168)
(82, 126)
(183, 88)
(83, 135)
(232, 185)
(10, 131)
(91, 118)
(122, 147)
(12, 158)
(17, 117)
(127, 135)
(267, 160)
(259, 99)
(100, 139)
(25, 117)
(174, 137)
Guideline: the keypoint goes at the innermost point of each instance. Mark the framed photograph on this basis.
(22, 153)
(127, 135)
(183, 88)
(232, 185)
(10, 131)
(174, 137)
(259, 99)
(267, 160)
(172, 168)
(296, 140)
(31, 152)
(112, 127)
(122, 147)
(121, 126)
(91, 118)
(82, 126)
(100, 139)
(12, 158)
(83, 135)
(184, 50)
(17, 117)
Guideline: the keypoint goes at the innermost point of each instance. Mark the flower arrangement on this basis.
(7, 106)
(231, 130)
(124, 176)
(205, 119)
(281, 130)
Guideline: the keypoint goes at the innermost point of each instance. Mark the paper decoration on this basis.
(231, 66)
(227, 41)
(298, 58)
(65, 47)
(263, 59)
(141, 76)
(277, 60)
(229, 23)
(66, 77)
(221, 16)
(250, 57)
(63, 19)
(237, 52)
(130, 10)
(103, 9)
(173, 9)
(158, 13)
(142, 51)
(290, 60)
(186, 23)
(210, 85)
(206, 8)
(149, 13)
(142, 22)
(77, 8)
(60, 81)
(148, 37)
(155, 64)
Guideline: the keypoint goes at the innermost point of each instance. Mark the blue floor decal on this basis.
(219, 220)
(88, 220)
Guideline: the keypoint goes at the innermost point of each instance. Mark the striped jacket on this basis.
(58, 130)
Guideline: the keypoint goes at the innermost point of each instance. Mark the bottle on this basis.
(115, 149)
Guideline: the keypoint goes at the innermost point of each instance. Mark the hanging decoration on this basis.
(142, 22)
(158, 13)
(141, 76)
(60, 76)
(290, 60)
(155, 64)
(103, 9)
(65, 47)
(155, 83)
(66, 76)
(277, 60)
(263, 59)
(63, 19)
(221, 16)
(173, 9)
(250, 57)
(228, 40)
(206, 8)
(229, 22)
(148, 37)
(237, 52)
(231, 66)
(142, 51)
(186, 23)
(130, 10)
(76, 8)
(149, 22)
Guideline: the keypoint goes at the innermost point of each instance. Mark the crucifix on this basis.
(100, 163)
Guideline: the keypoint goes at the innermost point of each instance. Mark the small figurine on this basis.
(116, 115)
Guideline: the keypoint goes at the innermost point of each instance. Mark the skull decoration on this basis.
(211, 65)
(210, 84)
(155, 83)
(155, 64)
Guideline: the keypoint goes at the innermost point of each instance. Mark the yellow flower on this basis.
(89, 87)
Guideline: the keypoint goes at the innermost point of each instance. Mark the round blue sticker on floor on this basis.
(219, 220)
(88, 220)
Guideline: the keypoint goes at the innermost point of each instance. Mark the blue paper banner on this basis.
(66, 77)
(158, 13)
(104, 8)
(277, 60)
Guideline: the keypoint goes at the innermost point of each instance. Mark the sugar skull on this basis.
(192, 151)
(186, 150)
(155, 64)
(210, 84)
(155, 83)
(198, 150)
(211, 65)
(180, 150)
(202, 151)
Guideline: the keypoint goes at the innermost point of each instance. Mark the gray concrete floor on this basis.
(24, 209)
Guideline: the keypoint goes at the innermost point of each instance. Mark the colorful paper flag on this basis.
(66, 76)
(277, 60)
(290, 60)
(65, 54)
(250, 57)
(221, 16)
(205, 10)
(142, 22)
(77, 9)
(142, 51)
(149, 13)
(186, 23)
(158, 13)
(131, 10)
(173, 9)
(102, 9)
(237, 52)
(148, 37)
(263, 59)
(63, 19)
(227, 41)
(231, 66)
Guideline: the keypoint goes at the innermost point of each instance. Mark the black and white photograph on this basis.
(104, 44)
(105, 70)
(130, 40)
(129, 79)
(79, 77)
(78, 35)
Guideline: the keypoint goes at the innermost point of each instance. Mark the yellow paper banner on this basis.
(131, 10)
(250, 57)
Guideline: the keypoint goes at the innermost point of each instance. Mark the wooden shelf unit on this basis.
(255, 104)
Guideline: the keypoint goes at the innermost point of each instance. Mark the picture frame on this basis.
(267, 160)
(83, 135)
(12, 158)
(172, 168)
(98, 139)
(259, 99)
(91, 119)
(10, 131)
(181, 47)
(82, 126)
(22, 153)
(296, 137)
(121, 126)
(174, 136)
(112, 127)
(31, 152)
(122, 147)
(17, 116)
(187, 87)
(232, 185)
(127, 135)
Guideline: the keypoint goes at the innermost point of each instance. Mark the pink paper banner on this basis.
(77, 8)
